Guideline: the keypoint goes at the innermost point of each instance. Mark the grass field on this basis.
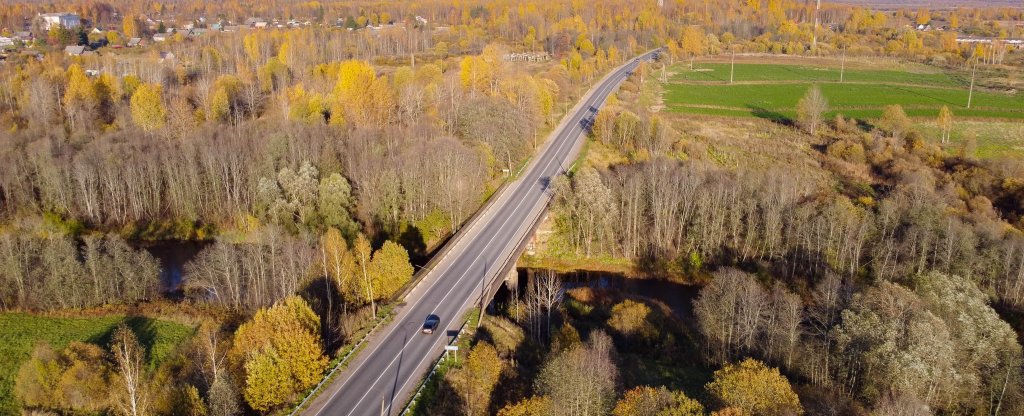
(19, 333)
(772, 91)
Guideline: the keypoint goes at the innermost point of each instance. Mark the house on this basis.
(217, 27)
(260, 25)
(92, 72)
(74, 50)
(6, 42)
(24, 36)
(64, 20)
(160, 37)
(133, 42)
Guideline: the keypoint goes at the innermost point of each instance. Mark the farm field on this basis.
(772, 91)
(21, 333)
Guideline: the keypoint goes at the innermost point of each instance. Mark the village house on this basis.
(64, 20)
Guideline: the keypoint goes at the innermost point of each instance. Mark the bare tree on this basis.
(128, 356)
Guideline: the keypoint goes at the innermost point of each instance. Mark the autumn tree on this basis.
(582, 379)
(390, 269)
(811, 110)
(130, 26)
(147, 106)
(531, 406)
(477, 378)
(132, 398)
(354, 94)
(280, 353)
(76, 379)
(894, 121)
(80, 98)
(650, 401)
(945, 122)
(476, 74)
(692, 41)
(755, 388)
(630, 319)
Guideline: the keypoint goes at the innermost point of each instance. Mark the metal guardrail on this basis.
(433, 369)
(330, 375)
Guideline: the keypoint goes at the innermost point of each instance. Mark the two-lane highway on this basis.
(381, 379)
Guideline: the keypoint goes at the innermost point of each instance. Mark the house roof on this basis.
(74, 50)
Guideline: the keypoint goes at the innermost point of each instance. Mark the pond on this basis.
(172, 256)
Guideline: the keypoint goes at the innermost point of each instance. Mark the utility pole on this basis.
(814, 41)
(732, 69)
(842, 67)
(970, 94)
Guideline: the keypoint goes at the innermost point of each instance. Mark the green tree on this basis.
(148, 109)
(335, 204)
(755, 388)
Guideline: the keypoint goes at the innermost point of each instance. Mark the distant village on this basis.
(80, 37)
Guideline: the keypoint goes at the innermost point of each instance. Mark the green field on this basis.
(772, 91)
(719, 72)
(21, 332)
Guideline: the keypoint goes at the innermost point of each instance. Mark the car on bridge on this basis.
(430, 324)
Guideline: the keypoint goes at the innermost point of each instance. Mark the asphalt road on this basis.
(384, 375)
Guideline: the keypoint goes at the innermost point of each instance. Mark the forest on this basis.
(845, 265)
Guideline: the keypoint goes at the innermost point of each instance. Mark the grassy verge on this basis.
(423, 402)
(22, 332)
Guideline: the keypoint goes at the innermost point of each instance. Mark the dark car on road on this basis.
(430, 324)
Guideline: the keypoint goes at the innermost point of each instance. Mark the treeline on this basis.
(937, 346)
(59, 272)
(917, 211)
(414, 146)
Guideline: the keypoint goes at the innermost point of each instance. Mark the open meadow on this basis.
(771, 91)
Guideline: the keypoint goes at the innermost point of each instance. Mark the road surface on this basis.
(383, 376)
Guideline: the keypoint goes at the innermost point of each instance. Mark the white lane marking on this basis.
(560, 146)
(387, 409)
(518, 189)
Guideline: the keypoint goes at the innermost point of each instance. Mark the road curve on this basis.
(382, 377)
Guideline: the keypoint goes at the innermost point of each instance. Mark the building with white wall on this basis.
(65, 20)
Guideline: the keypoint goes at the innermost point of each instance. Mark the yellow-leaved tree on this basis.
(754, 388)
(352, 99)
(645, 400)
(390, 269)
(475, 381)
(279, 352)
(148, 109)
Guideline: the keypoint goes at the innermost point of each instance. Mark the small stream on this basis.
(678, 296)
